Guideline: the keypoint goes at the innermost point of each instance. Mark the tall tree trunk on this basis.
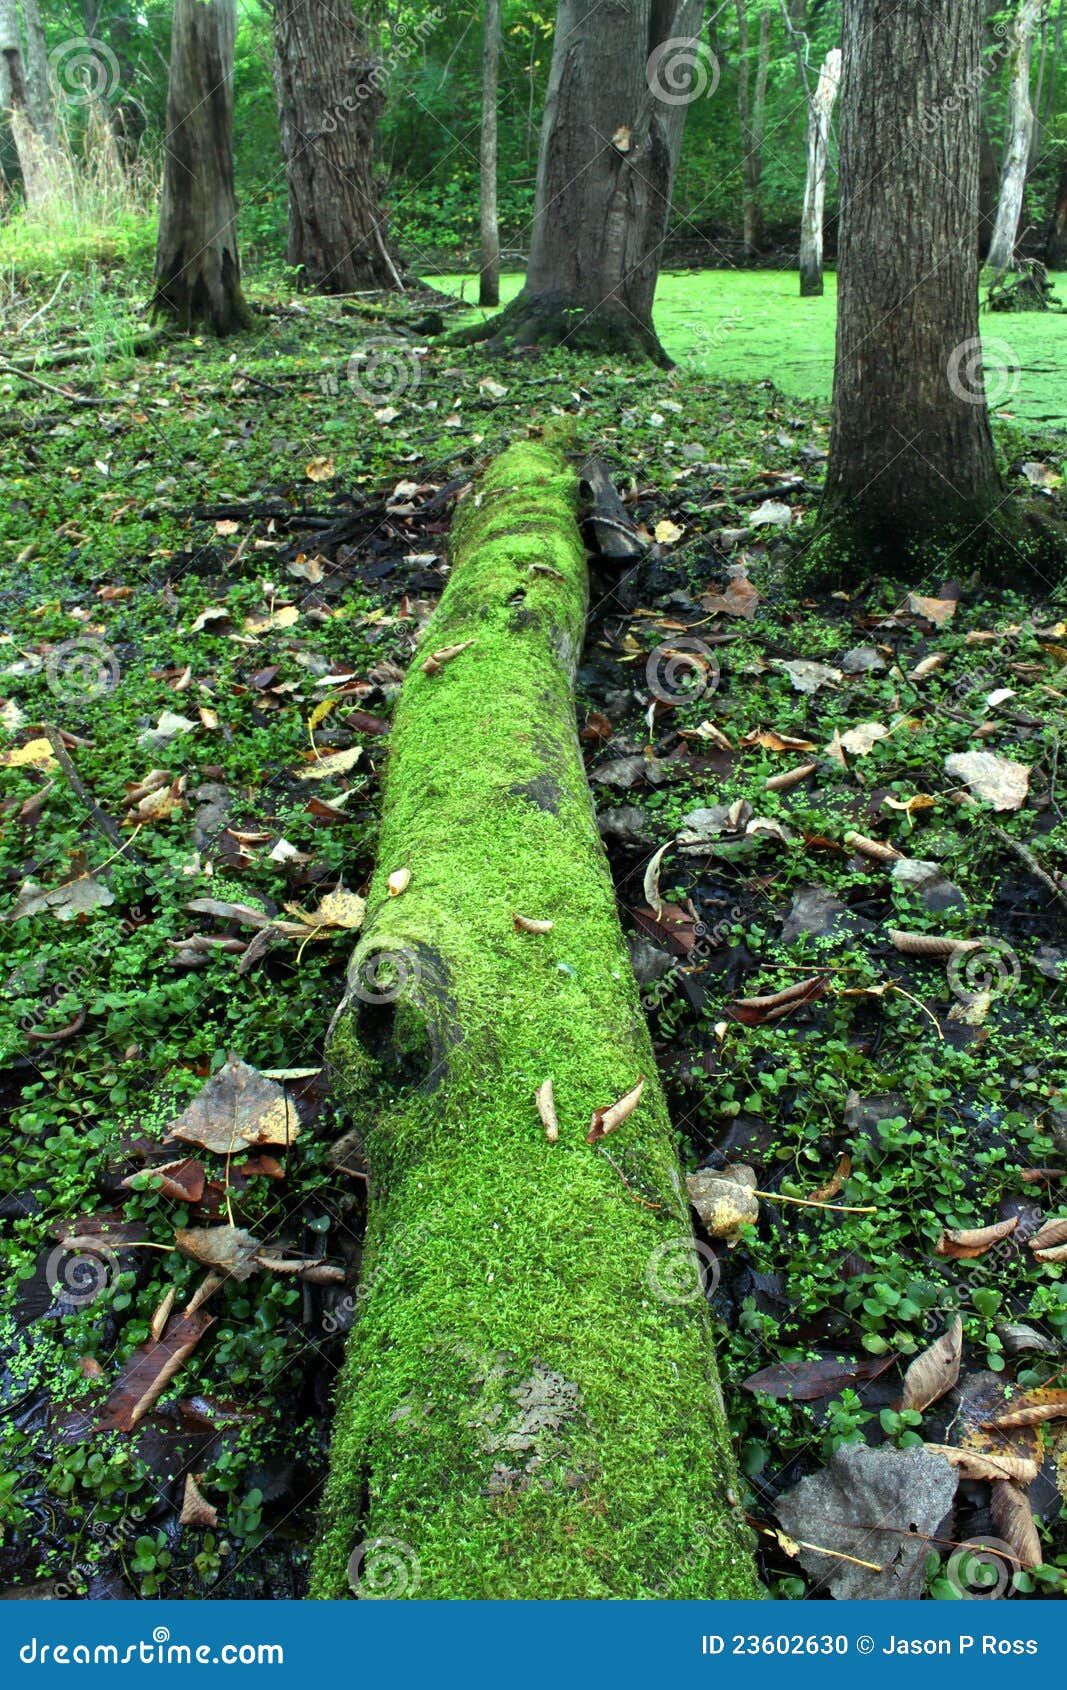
(330, 89)
(811, 227)
(38, 86)
(30, 146)
(752, 107)
(198, 273)
(623, 73)
(1020, 124)
(489, 276)
(529, 1406)
(911, 450)
(1056, 243)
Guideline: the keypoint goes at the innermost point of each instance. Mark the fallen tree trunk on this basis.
(529, 1406)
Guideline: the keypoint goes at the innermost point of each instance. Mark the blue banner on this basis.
(552, 1645)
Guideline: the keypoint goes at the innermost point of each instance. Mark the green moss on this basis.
(520, 1410)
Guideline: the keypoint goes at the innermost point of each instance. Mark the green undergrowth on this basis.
(99, 542)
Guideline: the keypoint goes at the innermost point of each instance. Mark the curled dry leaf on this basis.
(987, 1465)
(546, 1108)
(398, 882)
(651, 882)
(1058, 1253)
(791, 778)
(1031, 1408)
(937, 611)
(158, 1324)
(437, 659)
(963, 1245)
(836, 1183)
(1014, 1520)
(528, 924)
(772, 741)
(147, 1373)
(931, 944)
(1052, 1233)
(605, 1121)
(874, 848)
(196, 1509)
(757, 1012)
(334, 763)
(935, 1371)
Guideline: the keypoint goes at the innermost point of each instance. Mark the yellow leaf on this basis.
(35, 754)
(320, 469)
(320, 712)
(668, 533)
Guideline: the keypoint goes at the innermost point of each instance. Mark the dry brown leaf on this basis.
(1031, 1408)
(334, 763)
(651, 881)
(937, 611)
(930, 944)
(236, 1108)
(725, 1201)
(791, 778)
(196, 1509)
(437, 659)
(158, 1324)
(1057, 1253)
(150, 1369)
(935, 1371)
(836, 1183)
(987, 1465)
(605, 1121)
(529, 924)
(996, 780)
(546, 1108)
(1014, 1520)
(874, 848)
(963, 1245)
(228, 1249)
(1053, 1232)
(772, 741)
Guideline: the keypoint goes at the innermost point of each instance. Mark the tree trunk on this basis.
(331, 90)
(198, 273)
(911, 451)
(529, 1406)
(752, 107)
(1056, 243)
(811, 227)
(30, 147)
(489, 276)
(38, 88)
(622, 74)
(1020, 124)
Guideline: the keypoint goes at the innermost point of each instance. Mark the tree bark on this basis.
(811, 226)
(37, 80)
(198, 272)
(30, 147)
(489, 274)
(752, 108)
(529, 1406)
(331, 90)
(622, 74)
(911, 450)
(1056, 243)
(1020, 125)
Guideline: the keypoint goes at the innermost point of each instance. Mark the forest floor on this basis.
(723, 324)
(216, 564)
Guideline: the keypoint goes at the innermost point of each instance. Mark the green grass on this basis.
(745, 325)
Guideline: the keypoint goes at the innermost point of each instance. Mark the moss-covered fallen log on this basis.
(529, 1405)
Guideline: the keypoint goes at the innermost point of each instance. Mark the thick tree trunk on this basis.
(38, 88)
(529, 1406)
(752, 108)
(30, 147)
(623, 73)
(331, 89)
(198, 273)
(489, 273)
(911, 449)
(811, 224)
(1056, 244)
(1020, 124)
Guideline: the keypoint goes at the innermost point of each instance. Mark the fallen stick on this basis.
(529, 1405)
